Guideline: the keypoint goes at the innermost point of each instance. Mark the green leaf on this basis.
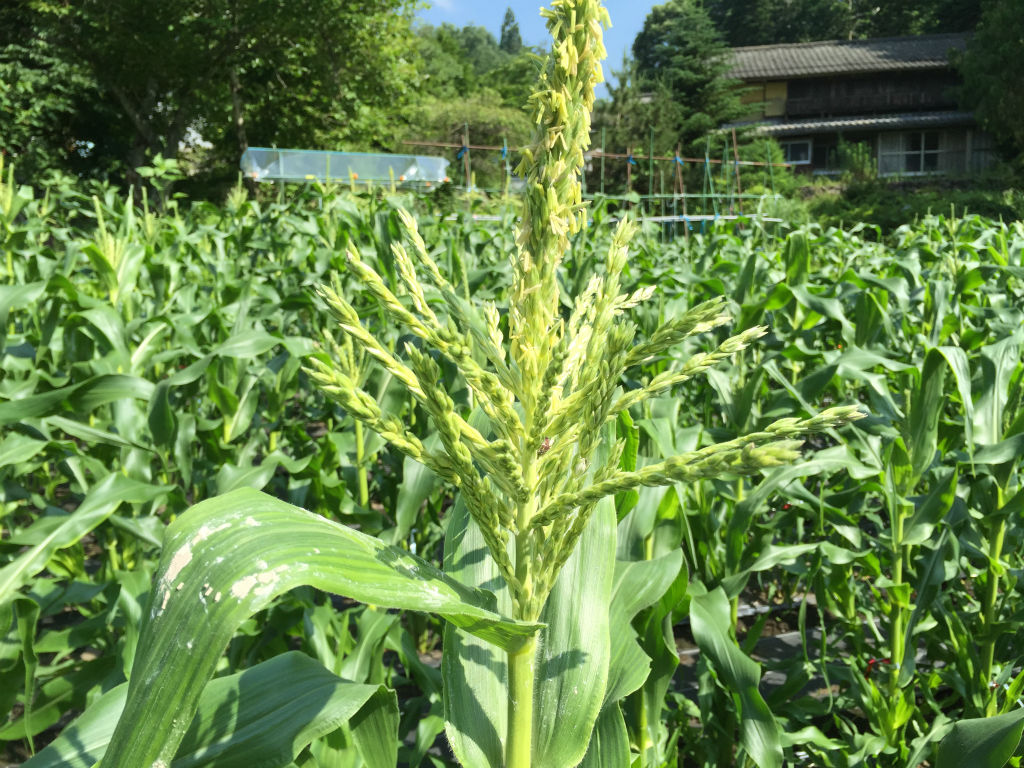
(957, 360)
(999, 453)
(630, 433)
(418, 484)
(997, 362)
(227, 558)
(246, 344)
(163, 424)
(929, 512)
(15, 449)
(102, 500)
(84, 396)
(983, 742)
(760, 734)
(926, 404)
(91, 434)
(609, 745)
(572, 658)
(16, 297)
(475, 673)
(265, 715)
(240, 420)
(739, 522)
(638, 585)
(574, 648)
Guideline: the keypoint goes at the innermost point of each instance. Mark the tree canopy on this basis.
(472, 81)
(100, 87)
(765, 22)
(676, 80)
(138, 79)
(511, 41)
(992, 82)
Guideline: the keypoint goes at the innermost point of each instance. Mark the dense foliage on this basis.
(989, 87)
(675, 85)
(110, 85)
(153, 360)
(765, 22)
(477, 87)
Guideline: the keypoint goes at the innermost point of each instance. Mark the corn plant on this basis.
(538, 643)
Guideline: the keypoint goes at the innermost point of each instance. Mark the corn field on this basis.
(318, 481)
(154, 359)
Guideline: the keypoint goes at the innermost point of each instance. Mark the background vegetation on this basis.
(152, 348)
(82, 91)
(151, 360)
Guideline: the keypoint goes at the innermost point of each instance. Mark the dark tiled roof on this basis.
(866, 122)
(844, 57)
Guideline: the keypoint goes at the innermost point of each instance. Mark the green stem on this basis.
(643, 737)
(364, 488)
(995, 552)
(519, 740)
(897, 640)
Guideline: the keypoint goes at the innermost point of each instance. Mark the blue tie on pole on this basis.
(461, 152)
(630, 160)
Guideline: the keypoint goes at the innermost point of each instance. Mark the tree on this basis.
(511, 40)
(680, 65)
(471, 82)
(50, 104)
(489, 122)
(764, 22)
(162, 75)
(459, 63)
(991, 77)
(480, 49)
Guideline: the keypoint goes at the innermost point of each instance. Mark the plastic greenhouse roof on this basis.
(272, 164)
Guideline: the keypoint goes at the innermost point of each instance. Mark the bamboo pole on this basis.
(736, 158)
(467, 168)
(650, 166)
(629, 170)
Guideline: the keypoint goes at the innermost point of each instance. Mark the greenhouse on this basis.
(272, 164)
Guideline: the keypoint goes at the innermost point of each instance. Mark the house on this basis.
(897, 94)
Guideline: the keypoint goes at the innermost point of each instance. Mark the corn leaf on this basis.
(759, 731)
(227, 558)
(983, 742)
(609, 746)
(57, 533)
(572, 659)
(575, 647)
(475, 673)
(265, 715)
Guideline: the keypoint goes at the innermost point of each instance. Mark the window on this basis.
(911, 152)
(922, 151)
(797, 152)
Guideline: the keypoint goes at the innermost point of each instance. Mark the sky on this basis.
(627, 19)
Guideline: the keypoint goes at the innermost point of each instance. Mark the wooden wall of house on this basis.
(769, 98)
(886, 92)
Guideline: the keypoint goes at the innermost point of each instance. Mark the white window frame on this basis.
(810, 150)
(904, 151)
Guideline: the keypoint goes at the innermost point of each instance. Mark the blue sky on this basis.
(627, 19)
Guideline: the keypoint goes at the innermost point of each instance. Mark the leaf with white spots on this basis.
(227, 558)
